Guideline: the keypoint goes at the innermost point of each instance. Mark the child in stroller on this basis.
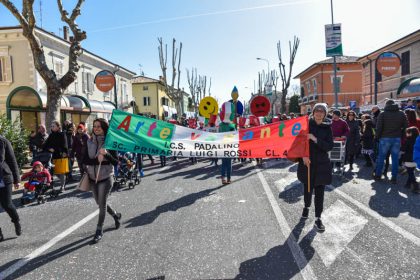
(126, 172)
(39, 183)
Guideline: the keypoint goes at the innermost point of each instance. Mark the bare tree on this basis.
(55, 86)
(285, 77)
(193, 85)
(274, 81)
(174, 93)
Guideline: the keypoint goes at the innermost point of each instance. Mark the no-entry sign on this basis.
(105, 80)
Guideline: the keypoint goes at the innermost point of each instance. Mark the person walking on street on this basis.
(411, 135)
(353, 139)
(339, 127)
(37, 142)
(99, 164)
(79, 146)
(9, 175)
(57, 145)
(390, 128)
(69, 130)
(226, 169)
(320, 143)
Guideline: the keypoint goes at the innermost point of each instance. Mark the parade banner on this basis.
(138, 134)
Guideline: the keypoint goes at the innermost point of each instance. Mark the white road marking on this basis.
(22, 262)
(373, 214)
(305, 268)
(342, 224)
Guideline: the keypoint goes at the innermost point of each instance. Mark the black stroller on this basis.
(43, 189)
(126, 173)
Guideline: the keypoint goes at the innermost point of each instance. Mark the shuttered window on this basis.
(6, 73)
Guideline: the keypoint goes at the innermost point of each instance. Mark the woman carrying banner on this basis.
(99, 165)
(320, 143)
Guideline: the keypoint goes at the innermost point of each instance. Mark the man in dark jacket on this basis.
(390, 127)
(9, 175)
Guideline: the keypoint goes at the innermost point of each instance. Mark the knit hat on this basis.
(337, 113)
(81, 126)
(36, 163)
(321, 106)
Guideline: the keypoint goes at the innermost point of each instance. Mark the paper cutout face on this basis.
(227, 112)
(208, 106)
(260, 106)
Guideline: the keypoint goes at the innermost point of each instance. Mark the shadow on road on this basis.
(278, 262)
(151, 216)
(47, 258)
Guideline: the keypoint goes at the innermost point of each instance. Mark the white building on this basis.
(23, 92)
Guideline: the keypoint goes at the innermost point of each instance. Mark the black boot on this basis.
(1, 236)
(98, 236)
(415, 187)
(117, 219)
(18, 229)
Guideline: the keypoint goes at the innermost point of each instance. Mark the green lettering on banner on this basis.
(139, 135)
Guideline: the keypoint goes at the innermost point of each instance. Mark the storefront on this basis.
(30, 106)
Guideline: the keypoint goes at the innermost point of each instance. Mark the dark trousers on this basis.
(100, 193)
(139, 162)
(319, 198)
(369, 160)
(226, 167)
(162, 161)
(411, 177)
(7, 204)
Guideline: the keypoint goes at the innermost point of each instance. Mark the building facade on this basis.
(401, 85)
(23, 92)
(317, 84)
(151, 98)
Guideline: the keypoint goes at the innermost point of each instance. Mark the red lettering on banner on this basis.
(194, 136)
(125, 124)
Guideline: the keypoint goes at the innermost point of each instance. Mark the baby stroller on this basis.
(126, 173)
(45, 158)
(41, 189)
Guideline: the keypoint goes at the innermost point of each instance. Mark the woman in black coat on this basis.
(57, 144)
(320, 143)
(353, 139)
(9, 175)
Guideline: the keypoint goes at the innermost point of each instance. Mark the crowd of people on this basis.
(375, 136)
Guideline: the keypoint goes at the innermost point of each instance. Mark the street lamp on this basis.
(268, 63)
(116, 69)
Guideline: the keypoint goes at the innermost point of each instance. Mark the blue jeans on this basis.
(385, 145)
(226, 167)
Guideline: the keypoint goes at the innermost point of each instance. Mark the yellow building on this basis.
(151, 98)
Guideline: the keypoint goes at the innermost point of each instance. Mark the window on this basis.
(58, 68)
(87, 82)
(145, 88)
(314, 86)
(146, 101)
(405, 63)
(165, 101)
(6, 74)
(308, 87)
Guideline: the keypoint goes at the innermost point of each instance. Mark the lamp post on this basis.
(334, 64)
(268, 64)
(116, 69)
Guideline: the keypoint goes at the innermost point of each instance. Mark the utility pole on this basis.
(334, 63)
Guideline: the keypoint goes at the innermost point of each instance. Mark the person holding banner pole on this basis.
(99, 164)
(318, 164)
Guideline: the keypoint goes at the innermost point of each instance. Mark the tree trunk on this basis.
(178, 107)
(54, 94)
(283, 101)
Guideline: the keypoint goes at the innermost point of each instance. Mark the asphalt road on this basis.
(181, 223)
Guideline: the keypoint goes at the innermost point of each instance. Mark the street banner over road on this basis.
(138, 134)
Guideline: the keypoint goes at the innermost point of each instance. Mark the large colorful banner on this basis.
(137, 134)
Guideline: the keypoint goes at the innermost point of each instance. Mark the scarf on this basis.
(94, 145)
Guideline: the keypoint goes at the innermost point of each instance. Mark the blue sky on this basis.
(222, 38)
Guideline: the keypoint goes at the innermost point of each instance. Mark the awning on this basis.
(165, 108)
(409, 86)
(24, 97)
